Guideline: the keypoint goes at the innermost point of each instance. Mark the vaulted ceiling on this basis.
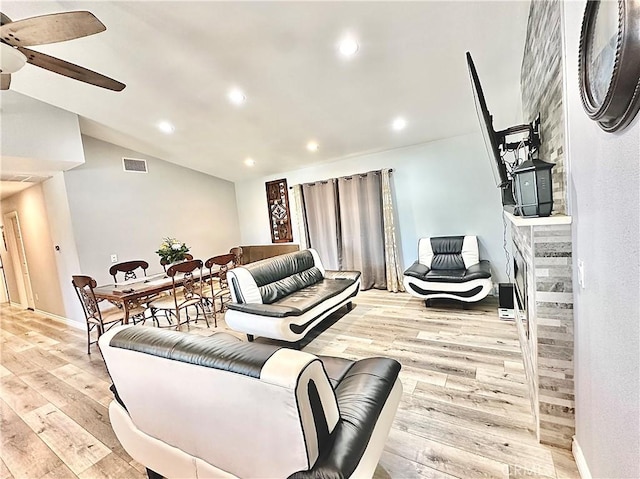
(180, 59)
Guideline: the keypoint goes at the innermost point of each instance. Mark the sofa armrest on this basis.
(417, 270)
(353, 275)
(270, 310)
(361, 394)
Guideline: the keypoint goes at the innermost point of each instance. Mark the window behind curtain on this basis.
(345, 225)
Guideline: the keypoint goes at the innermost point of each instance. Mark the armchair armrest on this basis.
(479, 270)
(417, 270)
(271, 310)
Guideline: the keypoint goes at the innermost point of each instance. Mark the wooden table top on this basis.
(140, 287)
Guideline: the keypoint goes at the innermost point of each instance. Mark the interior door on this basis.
(19, 259)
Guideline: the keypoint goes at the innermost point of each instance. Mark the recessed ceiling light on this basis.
(399, 124)
(249, 162)
(312, 146)
(348, 46)
(166, 127)
(236, 96)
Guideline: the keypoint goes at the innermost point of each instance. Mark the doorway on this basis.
(19, 260)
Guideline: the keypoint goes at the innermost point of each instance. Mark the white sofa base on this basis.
(155, 454)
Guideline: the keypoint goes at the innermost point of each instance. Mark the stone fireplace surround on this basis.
(545, 329)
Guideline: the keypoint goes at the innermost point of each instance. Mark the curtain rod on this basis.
(347, 177)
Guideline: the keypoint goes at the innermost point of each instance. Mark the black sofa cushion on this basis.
(299, 301)
(280, 276)
(480, 270)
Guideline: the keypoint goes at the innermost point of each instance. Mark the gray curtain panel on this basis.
(362, 242)
(321, 211)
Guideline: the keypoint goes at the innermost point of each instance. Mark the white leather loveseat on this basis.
(286, 296)
(190, 406)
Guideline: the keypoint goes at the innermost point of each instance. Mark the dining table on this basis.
(131, 293)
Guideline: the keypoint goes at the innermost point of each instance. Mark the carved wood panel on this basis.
(279, 213)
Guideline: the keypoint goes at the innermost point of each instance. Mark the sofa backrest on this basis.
(249, 409)
(448, 252)
(271, 279)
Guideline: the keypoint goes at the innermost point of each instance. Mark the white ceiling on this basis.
(179, 59)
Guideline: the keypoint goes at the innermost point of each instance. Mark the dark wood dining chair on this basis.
(186, 293)
(98, 319)
(217, 285)
(129, 269)
(164, 263)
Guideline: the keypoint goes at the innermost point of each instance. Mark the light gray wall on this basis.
(441, 188)
(66, 256)
(604, 194)
(37, 137)
(128, 214)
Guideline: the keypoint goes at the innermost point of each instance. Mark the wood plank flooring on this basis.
(464, 412)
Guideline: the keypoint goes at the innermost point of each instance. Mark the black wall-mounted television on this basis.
(496, 141)
(486, 125)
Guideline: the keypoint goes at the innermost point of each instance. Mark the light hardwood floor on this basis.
(464, 412)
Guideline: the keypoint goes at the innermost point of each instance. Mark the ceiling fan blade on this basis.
(57, 27)
(4, 19)
(5, 81)
(70, 70)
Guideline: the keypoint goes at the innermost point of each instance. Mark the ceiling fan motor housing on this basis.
(11, 60)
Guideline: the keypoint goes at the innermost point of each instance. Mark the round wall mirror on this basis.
(608, 62)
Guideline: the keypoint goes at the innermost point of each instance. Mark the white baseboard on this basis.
(62, 319)
(581, 462)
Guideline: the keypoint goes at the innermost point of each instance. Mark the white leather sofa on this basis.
(286, 296)
(188, 406)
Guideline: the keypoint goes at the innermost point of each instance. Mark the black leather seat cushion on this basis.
(361, 394)
(480, 270)
(307, 298)
(301, 301)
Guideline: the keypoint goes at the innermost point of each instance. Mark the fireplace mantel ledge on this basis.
(538, 221)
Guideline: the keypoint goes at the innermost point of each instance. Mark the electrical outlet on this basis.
(581, 273)
(114, 258)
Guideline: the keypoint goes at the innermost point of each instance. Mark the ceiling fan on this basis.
(57, 27)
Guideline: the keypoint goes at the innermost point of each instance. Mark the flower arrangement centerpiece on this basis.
(172, 250)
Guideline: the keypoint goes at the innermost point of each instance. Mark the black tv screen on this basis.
(486, 125)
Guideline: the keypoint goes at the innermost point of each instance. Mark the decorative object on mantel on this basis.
(608, 62)
(279, 215)
(172, 250)
(533, 189)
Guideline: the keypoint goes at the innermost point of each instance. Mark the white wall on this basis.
(128, 214)
(604, 194)
(441, 188)
(37, 138)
